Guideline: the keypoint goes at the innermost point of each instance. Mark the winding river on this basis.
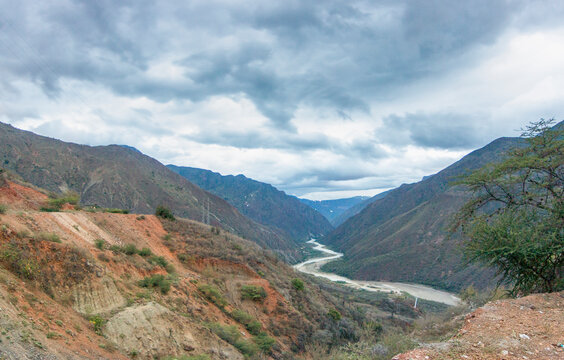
(312, 267)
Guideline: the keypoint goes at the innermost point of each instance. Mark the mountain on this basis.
(355, 209)
(402, 236)
(115, 176)
(261, 202)
(332, 209)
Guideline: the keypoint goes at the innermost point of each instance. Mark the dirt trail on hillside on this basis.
(528, 328)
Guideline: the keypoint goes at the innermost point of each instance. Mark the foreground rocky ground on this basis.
(528, 328)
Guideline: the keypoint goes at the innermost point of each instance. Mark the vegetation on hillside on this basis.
(515, 221)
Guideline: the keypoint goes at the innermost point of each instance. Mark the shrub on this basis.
(21, 264)
(145, 252)
(298, 284)
(164, 213)
(116, 211)
(3, 209)
(232, 335)
(141, 217)
(130, 249)
(56, 202)
(251, 324)
(44, 236)
(157, 280)
(264, 342)
(213, 294)
(334, 314)
(100, 244)
(253, 292)
(116, 249)
(97, 323)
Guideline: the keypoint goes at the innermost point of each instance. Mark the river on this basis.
(312, 267)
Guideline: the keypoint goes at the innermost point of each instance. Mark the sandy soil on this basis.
(528, 328)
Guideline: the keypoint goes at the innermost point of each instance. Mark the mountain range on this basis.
(121, 177)
(402, 236)
(334, 209)
(261, 202)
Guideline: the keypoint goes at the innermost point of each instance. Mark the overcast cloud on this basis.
(319, 98)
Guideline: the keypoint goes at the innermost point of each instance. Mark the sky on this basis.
(322, 99)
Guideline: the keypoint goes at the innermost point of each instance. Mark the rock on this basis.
(524, 336)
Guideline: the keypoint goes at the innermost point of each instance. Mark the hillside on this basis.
(355, 209)
(402, 237)
(261, 202)
(526, 328)
(79, 284)
(333, 209)
(119, 177)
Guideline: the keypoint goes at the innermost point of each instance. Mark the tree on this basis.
(515, 220)
(164, 213)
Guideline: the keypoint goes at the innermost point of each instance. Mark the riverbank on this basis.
(312, 267)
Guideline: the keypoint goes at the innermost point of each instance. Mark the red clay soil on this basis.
(19, 197)
(528, 328)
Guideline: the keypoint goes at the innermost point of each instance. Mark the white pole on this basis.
(416, 303)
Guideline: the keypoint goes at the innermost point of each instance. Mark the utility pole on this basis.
(208, 217)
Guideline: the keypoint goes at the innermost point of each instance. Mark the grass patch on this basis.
(3, 208)
(45, 236)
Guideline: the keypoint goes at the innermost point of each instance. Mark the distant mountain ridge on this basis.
(402, 236)
(333, 209)
(115, 176)
(261, 202)
(353, 210)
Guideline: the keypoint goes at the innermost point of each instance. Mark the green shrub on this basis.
(19, 262)
(251, 324)
(264, 342)
(3, 208)
(56, 202)
(116, 249)
(164, 213)
(232, 335)
(97, 323)
(253, 292)
(116, 211)
(213, 294)
(100, 244)
(298, 284)
(130, 249)
(157, 280)
(145, 252)
(141, 217)
(158, 260)
(334, 314)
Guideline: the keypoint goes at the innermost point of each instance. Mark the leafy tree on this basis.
(515, 220)
(164, 213)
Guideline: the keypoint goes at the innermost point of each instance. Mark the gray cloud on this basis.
(146, 73)
(335, 54)
(439, 130)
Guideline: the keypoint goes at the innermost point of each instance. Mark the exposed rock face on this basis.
(158, 332)
(95, 297)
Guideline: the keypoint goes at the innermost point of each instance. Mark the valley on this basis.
(313, 267)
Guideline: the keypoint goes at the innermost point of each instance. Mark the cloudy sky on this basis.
(323, 99)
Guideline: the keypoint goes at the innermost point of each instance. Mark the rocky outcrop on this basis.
(153, 331)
